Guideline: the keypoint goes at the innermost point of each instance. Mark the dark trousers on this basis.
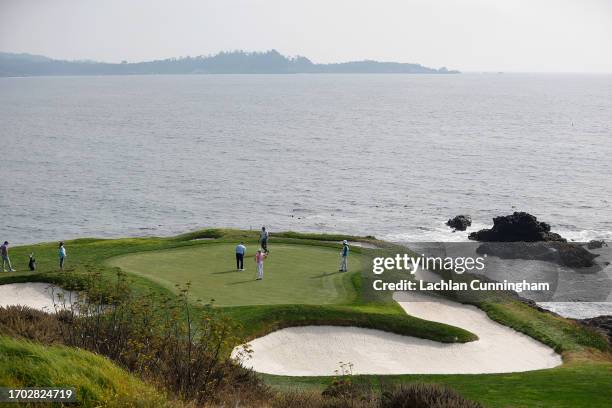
(239, 261)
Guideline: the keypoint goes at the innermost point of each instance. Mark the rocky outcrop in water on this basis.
(595, 244)
(517, 227)
(521, 236)
(460, 222)
(562, 253)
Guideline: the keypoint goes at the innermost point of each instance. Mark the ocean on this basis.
(393, 156)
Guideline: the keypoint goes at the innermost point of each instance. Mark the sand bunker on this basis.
(33, 294)
(318, 350)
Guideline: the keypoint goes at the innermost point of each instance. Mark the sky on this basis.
(469, 35)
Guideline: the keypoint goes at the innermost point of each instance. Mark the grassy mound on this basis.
(97, 381)
(261, 320)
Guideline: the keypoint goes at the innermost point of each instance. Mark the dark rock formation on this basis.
(460, 222)
(601, 323)
(518, 227)
(562, 253)
(595, 244)
(574, 255)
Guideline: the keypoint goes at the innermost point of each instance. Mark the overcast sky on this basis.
(470, 35)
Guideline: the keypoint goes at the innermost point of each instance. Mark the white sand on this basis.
(318, 350)
(33, 294)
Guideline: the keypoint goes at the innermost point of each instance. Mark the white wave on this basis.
(438, 234)
(584, 235)
(578, 310)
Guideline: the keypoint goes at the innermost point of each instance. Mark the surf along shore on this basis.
(303, 293)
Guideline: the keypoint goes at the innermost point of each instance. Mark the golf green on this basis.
(293, 274)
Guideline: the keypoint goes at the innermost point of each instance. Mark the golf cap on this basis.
(345, 242)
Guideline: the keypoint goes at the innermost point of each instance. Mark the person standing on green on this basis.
(260, 257)
(344, 257)
(5, 257)
(61, 252)
(240, 252)
(32, 262)
(263, 239)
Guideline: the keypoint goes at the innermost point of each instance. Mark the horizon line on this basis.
(463, 71)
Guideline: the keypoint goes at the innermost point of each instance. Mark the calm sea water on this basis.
(389, 155)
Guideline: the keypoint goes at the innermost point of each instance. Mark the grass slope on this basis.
(573, 385)
(97, 381)
(261, 320)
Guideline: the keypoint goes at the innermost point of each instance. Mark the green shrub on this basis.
(210, 233)
(424, 396)
(307, 399)
(319, 237)
(169, 341)
(31, 324)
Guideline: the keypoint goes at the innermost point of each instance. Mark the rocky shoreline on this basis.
(517, 227)
(521, 236)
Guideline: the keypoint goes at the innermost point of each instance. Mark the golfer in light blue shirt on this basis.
(240, 252)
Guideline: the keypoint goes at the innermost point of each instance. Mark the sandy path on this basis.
(33, 294)
(318, 350)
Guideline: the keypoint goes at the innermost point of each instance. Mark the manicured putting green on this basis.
(293, 274)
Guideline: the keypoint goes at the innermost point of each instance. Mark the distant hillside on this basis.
(236, 62)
